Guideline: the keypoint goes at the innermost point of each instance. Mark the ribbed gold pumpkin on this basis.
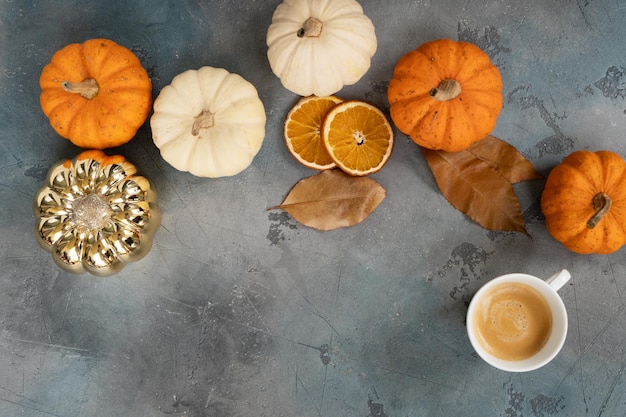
(94, 214)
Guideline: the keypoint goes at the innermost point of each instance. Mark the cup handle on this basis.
(557, 280)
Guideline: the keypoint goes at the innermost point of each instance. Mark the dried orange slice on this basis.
(302, 131)
(358, 136)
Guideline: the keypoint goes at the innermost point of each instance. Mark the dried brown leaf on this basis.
(477, 188)
(504, 158)
(331, 200)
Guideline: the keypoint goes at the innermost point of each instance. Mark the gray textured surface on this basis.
(239, 311)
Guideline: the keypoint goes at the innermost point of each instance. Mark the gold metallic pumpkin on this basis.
(95, 215)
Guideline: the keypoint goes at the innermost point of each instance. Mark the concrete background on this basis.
(240, 311)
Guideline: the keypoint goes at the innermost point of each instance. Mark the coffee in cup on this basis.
(518, 322)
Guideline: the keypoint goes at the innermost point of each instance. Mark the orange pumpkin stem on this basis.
(204, 120)
(601, 204)
(87, 88)
(447, 89)
(311, 28)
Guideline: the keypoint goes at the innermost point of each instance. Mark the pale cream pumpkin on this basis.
(209, 122)
(316, 47)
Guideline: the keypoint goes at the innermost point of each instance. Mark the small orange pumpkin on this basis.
(96, 94)
(584, 202)
(445, 95)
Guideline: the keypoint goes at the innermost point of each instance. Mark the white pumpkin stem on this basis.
(601, 204)
(87, 88)
(311, 28)
(447, 89)
(204, 120)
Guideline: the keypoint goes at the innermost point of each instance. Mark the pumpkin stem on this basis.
(447, 89)
(87, 88)
(311, 28)
(601, 204)
(204, 120)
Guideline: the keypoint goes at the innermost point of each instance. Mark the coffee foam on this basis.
(513, 321)
(509, 320)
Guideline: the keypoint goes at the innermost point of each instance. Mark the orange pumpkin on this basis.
(96, 94)
(584, 202)
(445, 95)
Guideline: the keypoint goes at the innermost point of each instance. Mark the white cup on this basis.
(548, 289)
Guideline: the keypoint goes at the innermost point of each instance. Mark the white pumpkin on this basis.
(209, 122)
(316, 47)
